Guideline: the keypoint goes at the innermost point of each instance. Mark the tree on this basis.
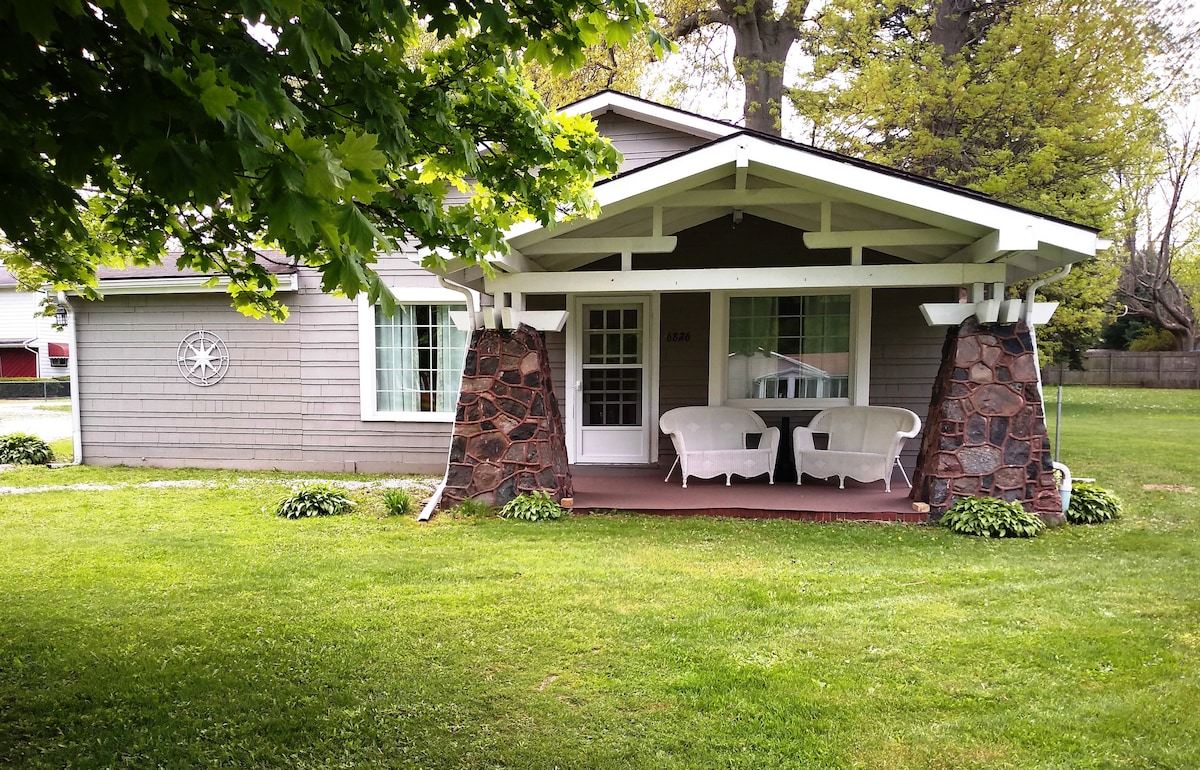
(325, 128)
(1034, 102)
(763, 36)
(619, 68)
(1154, 282)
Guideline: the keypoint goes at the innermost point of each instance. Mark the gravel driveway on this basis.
(31, 416)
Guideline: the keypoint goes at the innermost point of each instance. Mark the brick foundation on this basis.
(985, 435)
(508, 429)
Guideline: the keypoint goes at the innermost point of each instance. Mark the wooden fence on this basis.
(1141, 370)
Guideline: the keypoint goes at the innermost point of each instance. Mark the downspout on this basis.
(73, 372)
(436, 497)
(1064, 489)
(37, 356)
(1029, 297)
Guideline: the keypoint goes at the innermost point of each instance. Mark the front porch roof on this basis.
(842, 205)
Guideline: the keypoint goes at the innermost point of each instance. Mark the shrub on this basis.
(24, 449)
(532, 506)
(471, 509)
(398, 502)
(1152, 339)
(991, 517)
(314, 500)
(1092, 504)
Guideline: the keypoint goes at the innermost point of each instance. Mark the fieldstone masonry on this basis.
(508, 430)
(986, 431)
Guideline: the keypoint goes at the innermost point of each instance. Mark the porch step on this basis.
(825, 517)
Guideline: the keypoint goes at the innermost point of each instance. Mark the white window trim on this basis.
(367, 388)
(860, 352)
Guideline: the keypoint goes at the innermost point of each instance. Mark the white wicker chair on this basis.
(864, 443)
(711, 441)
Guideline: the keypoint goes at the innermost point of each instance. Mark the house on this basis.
(30, 345)
(726, 267)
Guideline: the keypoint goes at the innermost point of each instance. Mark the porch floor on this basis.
(644, 491)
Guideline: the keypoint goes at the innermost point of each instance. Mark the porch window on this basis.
(411, 362)
(789, 347)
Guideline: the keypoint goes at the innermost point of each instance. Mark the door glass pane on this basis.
(612, 397)
(615, 337)
(612, 382)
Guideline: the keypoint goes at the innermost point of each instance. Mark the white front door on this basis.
(612, 408)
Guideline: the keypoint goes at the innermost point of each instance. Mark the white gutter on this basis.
(436, 497)
(73, 372)
(191, 284)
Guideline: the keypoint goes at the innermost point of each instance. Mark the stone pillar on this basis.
(508, 430)
(985, 435)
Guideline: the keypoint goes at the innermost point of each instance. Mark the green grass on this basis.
(189, 626)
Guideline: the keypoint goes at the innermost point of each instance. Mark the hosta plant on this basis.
(1092, 504)
(24, 449)
(314, 500)
(532, 506)
(991, 517)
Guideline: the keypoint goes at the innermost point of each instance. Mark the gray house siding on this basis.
(683, 358)
(289, 401)
(906, 353)
(642, 143)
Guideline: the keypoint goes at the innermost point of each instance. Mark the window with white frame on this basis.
(412, 361)
(789, 347)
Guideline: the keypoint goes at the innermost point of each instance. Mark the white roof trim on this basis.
(842, 179)
(649, 112)
(183, 285)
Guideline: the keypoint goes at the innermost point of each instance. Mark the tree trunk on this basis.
(761, 46)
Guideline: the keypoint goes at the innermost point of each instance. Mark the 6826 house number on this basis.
(678, 337)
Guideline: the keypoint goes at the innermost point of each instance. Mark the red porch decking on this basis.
(644, 491)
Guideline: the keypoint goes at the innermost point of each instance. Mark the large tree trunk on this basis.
(761, 45)
(762, 39)
(960, 23)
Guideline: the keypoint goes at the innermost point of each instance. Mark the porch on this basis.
(644, 491)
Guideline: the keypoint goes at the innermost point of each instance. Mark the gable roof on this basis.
(650, 112)
(838, 201)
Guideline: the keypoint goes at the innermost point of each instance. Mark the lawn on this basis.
(187, 626)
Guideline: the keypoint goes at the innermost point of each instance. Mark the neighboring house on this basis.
(726, 267)
(30, 346)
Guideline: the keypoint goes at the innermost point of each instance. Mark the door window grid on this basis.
(612, 370)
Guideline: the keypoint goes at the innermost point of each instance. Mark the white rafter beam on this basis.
(996, 245)
(615, 245)
(515, 262)
(758, 196)
(740, 279)
(922, 236)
